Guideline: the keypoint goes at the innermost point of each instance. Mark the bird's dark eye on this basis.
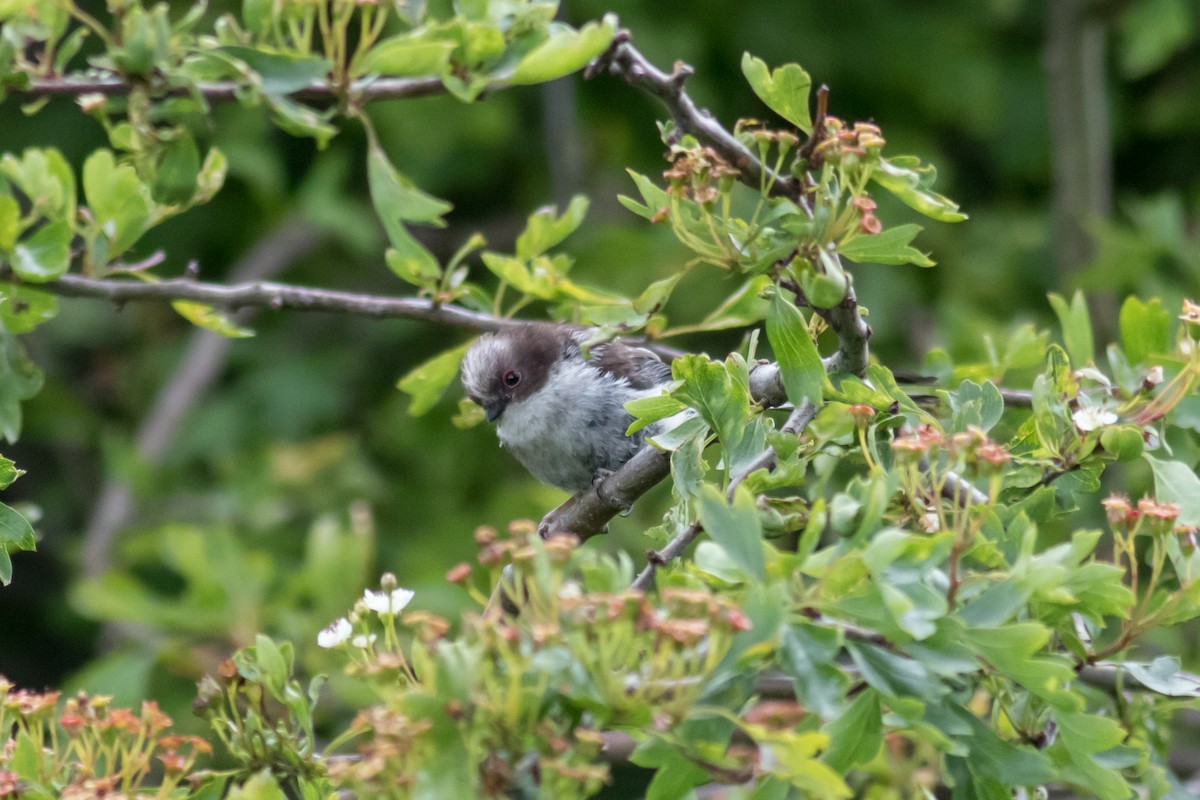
(512, 378)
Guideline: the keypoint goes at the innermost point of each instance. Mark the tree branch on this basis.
(624, 60)
(265, 295)
(225, 91)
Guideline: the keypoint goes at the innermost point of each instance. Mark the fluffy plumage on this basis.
(561, 415)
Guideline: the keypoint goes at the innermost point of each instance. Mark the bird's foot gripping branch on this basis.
(851, 593)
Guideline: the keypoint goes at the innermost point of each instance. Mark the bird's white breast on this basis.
(572, 425)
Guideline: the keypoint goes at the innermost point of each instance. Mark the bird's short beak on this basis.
(494, 410)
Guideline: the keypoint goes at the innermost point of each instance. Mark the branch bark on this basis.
(266, 295)
(226, 91)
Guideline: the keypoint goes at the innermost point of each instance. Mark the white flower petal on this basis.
(377, 601)
(362, 641)
(337, 633)
(400, 598)
(1089, 418)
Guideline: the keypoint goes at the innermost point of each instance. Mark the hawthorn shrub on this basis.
(896, 588)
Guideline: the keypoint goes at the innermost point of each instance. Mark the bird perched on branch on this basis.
(560, 414)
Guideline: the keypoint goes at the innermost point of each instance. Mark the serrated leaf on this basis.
(427, 382)
(889, 247)
(735, 528)
(565, 51)
(800, 365)
(546, 228)
(784, 90)
(118, 201)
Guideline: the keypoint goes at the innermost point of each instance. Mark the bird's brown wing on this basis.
(641, 367)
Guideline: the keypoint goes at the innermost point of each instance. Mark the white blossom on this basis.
(337, 633)
(387, 602)
(1089, 418)
(362, 641)
(930, 522)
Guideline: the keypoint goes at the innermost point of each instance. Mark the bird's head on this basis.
(508, 366)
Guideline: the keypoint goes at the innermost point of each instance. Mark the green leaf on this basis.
(397, 200)
(736, 528)
(23, 308)
(20, 379)
(261, 787)
(271, 663)
(1077, 327)
(784, 90)
(1163, 675)
(893, 675)
(300, 120)
(1175, 482)
(427, 382)
(889, 247)
(10, 222)
(45, 175)
(807, 654)
(45, 255)
(566, 51)
(675, 775)
(405, 55)
(178, 172)
(205, 316)
(546, 228)
(800, 364)
(8, 472)
(1000, 760)
(1145, 329)
(15, 534)
(118, 200)
(904, 177)
(281, 73)
(856, 736)
(648, 410)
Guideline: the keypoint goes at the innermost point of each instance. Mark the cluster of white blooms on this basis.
(391, 601)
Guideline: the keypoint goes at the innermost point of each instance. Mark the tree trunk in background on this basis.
(1080, 140)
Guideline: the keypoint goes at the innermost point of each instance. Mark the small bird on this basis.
(560, 414)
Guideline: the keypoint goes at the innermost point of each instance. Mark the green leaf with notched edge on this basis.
(745, 306)
(546, 228)
(45, 255)
(1175, 482)
(800, 364)
(889, 247)
(427, 382)
(784, 90)
(118, 200)
(23, 308)
(15, 534)
(904, 177)
(736, 528)
(397, 201)
(8, 472)
(566, 51)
